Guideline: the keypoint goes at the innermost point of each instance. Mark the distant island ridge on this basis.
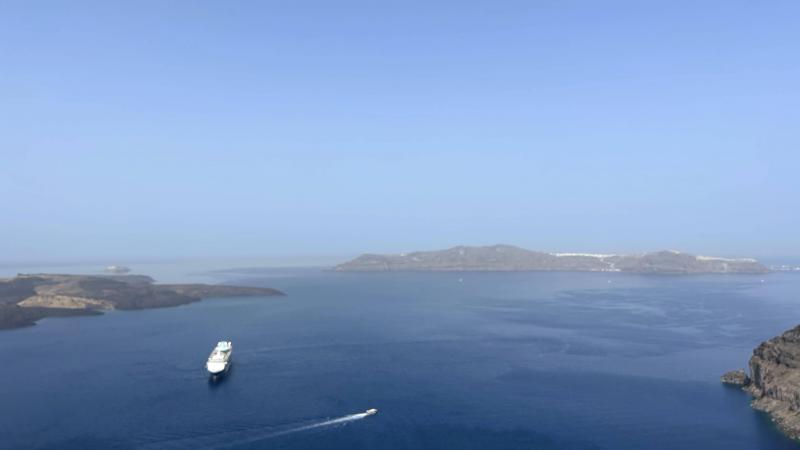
(508, 258)
(27, 298)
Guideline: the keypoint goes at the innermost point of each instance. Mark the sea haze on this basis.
(547, 360)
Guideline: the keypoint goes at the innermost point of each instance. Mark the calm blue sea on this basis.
(451, 361)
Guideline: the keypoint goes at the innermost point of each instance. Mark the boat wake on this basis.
(236, 438)
(325, 423)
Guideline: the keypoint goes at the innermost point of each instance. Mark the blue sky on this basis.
(165, 129)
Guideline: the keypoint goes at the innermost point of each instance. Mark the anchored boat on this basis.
(220, 359)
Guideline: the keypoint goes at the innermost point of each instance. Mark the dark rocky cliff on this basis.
(775, 380)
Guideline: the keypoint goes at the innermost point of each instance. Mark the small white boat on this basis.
(220, 359)
(371, 411)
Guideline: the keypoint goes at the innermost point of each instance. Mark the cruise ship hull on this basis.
(218, 368)
(220, 359)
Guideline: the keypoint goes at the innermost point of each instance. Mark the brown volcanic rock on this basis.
(27, 298)
(13, 316)
(775, 380)
(736, 377)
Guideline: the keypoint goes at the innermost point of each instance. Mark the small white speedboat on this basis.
(370, 412)
(220, 359)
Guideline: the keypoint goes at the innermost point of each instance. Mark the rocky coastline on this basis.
(27, 298)
(774, 380)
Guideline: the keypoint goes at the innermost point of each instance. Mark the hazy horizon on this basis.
(141, 265)
(154, 131)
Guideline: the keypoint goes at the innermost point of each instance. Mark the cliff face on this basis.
(510, 258)
(775, 380)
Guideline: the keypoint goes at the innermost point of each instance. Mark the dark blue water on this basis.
(491, 361)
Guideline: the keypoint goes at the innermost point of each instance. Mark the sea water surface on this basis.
(450, 360)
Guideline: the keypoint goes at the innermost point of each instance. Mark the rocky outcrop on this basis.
(736, 377)
(775, 380)
(65, 301)
(510, 258)
(27, 298)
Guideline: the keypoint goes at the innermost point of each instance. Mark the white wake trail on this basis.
(325, 423)
(237, 438)
(322, 424)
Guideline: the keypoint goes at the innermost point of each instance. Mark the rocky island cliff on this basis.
(27, 298)
(774, 380)
(510, 258)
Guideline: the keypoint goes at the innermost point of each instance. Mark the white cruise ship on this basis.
(220, 359)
